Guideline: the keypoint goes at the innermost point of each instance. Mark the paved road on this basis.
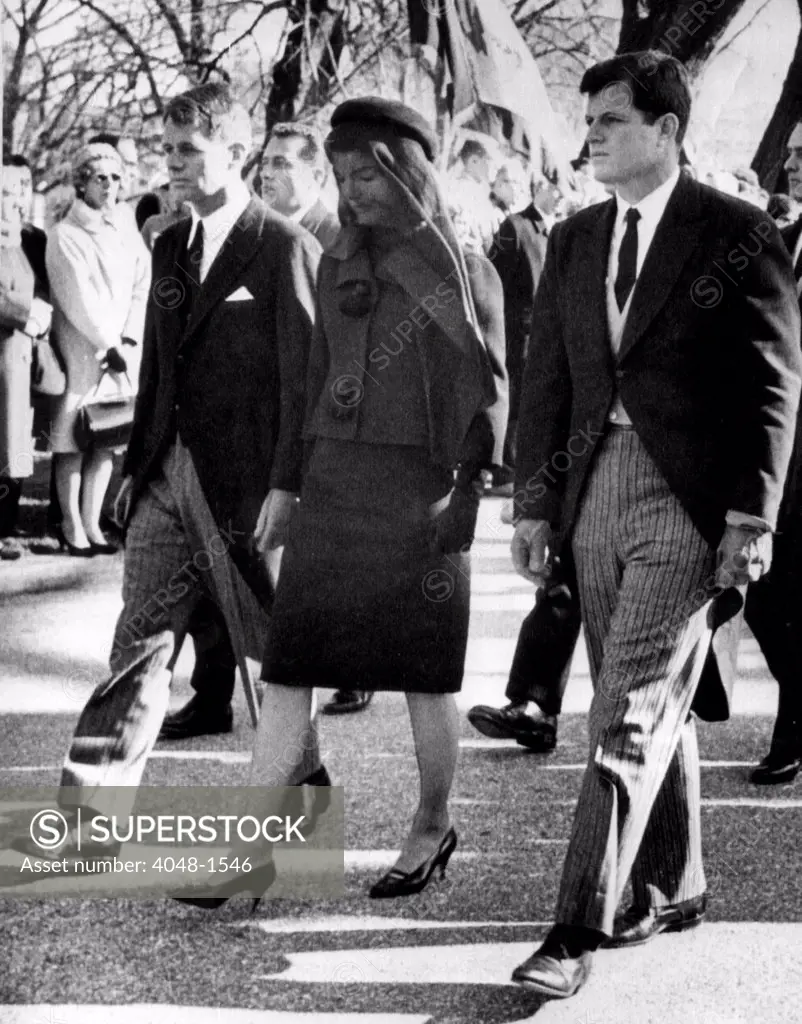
(443, 957)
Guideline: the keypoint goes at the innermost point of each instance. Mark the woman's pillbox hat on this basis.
(388, 114)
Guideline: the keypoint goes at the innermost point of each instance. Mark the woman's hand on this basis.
(453, 527)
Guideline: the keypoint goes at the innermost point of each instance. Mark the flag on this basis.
(490, 66)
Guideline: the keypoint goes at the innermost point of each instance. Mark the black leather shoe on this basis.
(10, 549)
(555, 970)
(197, 718)
(637, 926)
(407, 883)
(777, 768)
(537, 732)
(345, 702)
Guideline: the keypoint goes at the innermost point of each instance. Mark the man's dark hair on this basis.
(213, 109)
(312, 150)
(15, 160)
(107, 138)
(472, 148)
(656, 84)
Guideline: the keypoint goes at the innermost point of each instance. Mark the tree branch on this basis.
(123, 32)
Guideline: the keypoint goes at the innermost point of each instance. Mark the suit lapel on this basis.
(239, 248)
(587, 290)
(675, 239)
(167, 291)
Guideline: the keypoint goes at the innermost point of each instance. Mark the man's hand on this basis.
(114, 361)
(274, 520)
(39, 318)
(122, 503)
(743, 556)
(530, 550)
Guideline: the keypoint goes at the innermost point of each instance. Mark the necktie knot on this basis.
(631, 216)
(627, 259)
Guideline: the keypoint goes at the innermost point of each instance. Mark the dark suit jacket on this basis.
(518, 254)
(233, 383)
(34, 243)
(465, 382)
(790, 235)
(323, 224)
(708, 369)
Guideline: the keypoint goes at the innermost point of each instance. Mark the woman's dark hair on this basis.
(404, 163)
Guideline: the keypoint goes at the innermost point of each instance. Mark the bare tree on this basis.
(686, 29)
(26, 22)
(770, 155)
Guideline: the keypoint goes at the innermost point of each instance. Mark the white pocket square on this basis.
(240, 295)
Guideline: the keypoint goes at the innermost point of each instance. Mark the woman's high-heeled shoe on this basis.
(72, 549)
(407, 883)
(106, 548)
(254, 883)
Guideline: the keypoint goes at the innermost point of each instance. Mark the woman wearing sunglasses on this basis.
(99, 279)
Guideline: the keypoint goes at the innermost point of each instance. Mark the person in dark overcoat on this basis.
(657, 420)
(517, 253)
(406, 408)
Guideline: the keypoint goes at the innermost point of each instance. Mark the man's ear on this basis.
(669, 126)
(239, 153)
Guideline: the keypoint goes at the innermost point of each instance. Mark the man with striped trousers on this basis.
(656, 426)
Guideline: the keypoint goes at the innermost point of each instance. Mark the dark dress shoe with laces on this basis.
(10, 549)
(536, 731)
(775, 768)
(558, 969)
(638, 925)
(345, 702)
(197, 718)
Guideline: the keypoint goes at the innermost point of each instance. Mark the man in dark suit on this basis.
(774, 610)
(655, 432)
(292, 175)
(293, 172)
(214, 462)
(517, 253)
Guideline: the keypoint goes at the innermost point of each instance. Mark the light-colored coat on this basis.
(99, 273)
(16, 415)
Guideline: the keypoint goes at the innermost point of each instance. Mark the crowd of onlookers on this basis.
(73, 299)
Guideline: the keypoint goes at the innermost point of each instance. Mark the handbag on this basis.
(105, 421)
(47, 373)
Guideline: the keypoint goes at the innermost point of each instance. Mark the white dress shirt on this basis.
(217, 226)
(651, 209)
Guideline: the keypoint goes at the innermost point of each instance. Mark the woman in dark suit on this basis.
(407, 405)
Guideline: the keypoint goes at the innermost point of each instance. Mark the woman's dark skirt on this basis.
(361, 602)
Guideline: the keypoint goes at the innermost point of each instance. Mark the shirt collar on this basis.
(222, 220)
(652, 206)
(301, 212)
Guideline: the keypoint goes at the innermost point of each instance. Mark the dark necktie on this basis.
(190, 274)
(627, 259)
